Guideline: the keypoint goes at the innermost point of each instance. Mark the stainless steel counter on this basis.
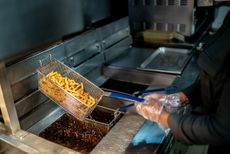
(119, 137)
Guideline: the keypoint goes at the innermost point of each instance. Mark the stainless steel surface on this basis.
(117, 50)
(96, 76)
(116, 37)
(90, 64)
(25, 71)
(82, 47)
(124, 67)
(128, 57)
(7, 145)
(29, 143)
(7, 148)
(117, 140)
(42, 124)
(138, 76)
(26, 25)
(24, 105)
(38, 113)
(168, 60)
(7, 102)
(162, 15)
(114, 32)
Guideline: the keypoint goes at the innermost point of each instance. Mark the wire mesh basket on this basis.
(61, 96)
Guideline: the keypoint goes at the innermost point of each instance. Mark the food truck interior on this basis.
(119, 46)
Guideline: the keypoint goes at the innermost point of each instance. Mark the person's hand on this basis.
(170, 102)
(183, 98)
(155, 96)
(150, 110)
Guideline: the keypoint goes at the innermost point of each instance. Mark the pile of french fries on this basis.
(71, 86)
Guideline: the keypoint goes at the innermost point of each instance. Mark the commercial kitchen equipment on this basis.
(97, 40)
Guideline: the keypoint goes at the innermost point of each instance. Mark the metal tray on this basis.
(167, 60)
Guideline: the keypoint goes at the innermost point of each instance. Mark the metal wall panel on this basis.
(42, 111)
(162, 15)
(91, 64)
(28, 67)
(117, 50)
(29, 24)
(24, 105)
(114, 32)
(23, 75)
(82, 47)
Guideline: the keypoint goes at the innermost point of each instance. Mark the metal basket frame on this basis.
(70, 106)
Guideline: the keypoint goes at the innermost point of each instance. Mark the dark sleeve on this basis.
(193, 93)
(204, 129)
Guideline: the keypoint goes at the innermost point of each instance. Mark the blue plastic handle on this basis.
(126, 97)
(123, 108)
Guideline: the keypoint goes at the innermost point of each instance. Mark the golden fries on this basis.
(76, 89)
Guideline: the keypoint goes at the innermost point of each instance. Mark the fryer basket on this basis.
(60, 96)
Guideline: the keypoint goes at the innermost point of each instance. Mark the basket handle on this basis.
(40, 61)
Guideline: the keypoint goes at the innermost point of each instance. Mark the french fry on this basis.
(76, 89)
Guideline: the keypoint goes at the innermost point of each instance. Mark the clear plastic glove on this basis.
(150, 110)
(170, 102)
(155, 96)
